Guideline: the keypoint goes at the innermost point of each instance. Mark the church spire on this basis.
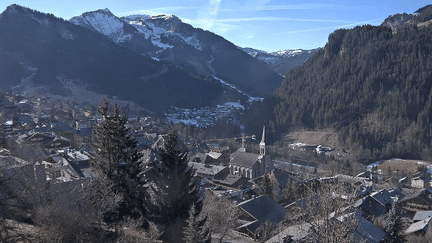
(262, 143)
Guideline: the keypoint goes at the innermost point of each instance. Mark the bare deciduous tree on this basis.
(222, 215)
(328, 215)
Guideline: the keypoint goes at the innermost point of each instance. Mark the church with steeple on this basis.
(251, 165)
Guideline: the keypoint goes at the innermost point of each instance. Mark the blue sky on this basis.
(269, 25)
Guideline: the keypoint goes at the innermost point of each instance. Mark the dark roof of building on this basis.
(199, 157)
(206, 169)
(395, 193)
(382, 196)
(367, 232)
(423, 178)
(263, 208)
(296, 232)
(420, 215)
(373, 207)
(84, 132)
(244, 159)
(251, 226)
(57, 158)
(229, 179)
(237, 199)
(8, 162)
(62, 127)
(425, 194)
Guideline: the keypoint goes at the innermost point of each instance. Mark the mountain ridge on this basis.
(121, 57)
(41, 48)
(201, 52)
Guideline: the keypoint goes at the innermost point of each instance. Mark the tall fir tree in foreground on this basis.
(196, 232)
(175, 189)
(118, 189)
(2, 136)
(395, 226)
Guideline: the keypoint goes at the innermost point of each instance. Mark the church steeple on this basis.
(262, 143)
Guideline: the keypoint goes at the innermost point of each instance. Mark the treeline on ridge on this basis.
(369, 84)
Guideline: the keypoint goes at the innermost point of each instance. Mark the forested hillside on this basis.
(369, 84)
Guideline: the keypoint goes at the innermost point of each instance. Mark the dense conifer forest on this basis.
(370, 84)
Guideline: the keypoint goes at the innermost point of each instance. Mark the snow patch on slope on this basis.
(104, 24)
(226, 84)
(67, 35)
(157, 42)
(155, 32)
(44, 22)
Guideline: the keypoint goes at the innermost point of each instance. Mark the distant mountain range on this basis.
(157, 61)
(281, 61)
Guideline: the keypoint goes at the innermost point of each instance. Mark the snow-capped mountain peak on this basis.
(102, 21)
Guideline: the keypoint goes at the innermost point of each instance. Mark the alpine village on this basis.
(146, 129)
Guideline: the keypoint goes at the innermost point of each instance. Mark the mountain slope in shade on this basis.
(199, 52)
(43, 51)
(370, 84)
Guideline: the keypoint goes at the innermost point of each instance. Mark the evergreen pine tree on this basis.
(118, 189)
(395, 226)
(2, 137)
(266, 185)
(196, 232)
(288, 192)
(174, 189)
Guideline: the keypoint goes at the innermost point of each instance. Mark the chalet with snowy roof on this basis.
(61, 170)
(421, 215)
(419, 227)
(79, 157)
(251, 165)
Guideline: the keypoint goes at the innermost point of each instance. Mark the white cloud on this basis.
(207, 15)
